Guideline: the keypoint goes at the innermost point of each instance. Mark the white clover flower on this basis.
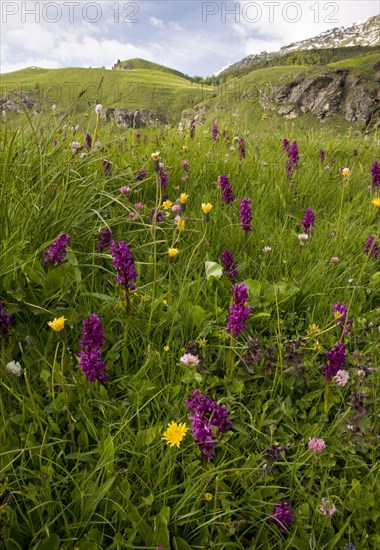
(14, 368)
(267, 249)
(98, 109)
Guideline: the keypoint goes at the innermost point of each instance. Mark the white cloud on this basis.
(155, 22)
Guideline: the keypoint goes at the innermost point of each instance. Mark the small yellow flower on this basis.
(185, 148)
(317, 346)
(144, 298)
(208, 497)
(264, 116)
(166, 205)
(175, 434)
(345, 172)
(183, 198)
(166, 348)
(337, 314)
(180, 223)
(313, 329)
(202, 342)
(165, 302)
(206, 208)
(57, 324)
(173, 252)
(376, 202)
(156, 155)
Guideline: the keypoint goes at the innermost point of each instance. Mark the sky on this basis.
(196, 37)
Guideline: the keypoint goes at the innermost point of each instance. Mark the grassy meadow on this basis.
(90, 464)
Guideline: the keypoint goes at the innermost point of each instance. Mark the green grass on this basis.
(83, 465)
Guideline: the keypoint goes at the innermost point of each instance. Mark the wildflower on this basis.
(189, 359)
(334, 260)
(264, 116)
(14, 368)
(225, 186)
(139, 206)
(163, 179)
(267, 249)
(303, 237)
(166, 348)
(98, 109)
(376, 202)
(238, 311)
(372, 247)
(273, 455)
(308, 220)
(214, 132)
(5, 321)
(349, 546)
(185, 165)
(91, 345)
(281, 516)
(155, 156)
(75, 146)
(175, 434)
(133, 215)
(159, 216)
(206, 208)
(139, 175)
(313, 329)
(340, 316)
(54, 107)
(104, 238)
(56, 252)
(336, 361)
(230, 267)
(209, 420)
(166, 205)
(241, 148)
(293, 159)
(286, 145)
(322, 155)
(183, 198)
(327, 509)
(107, 167)
(176, 208)
(315, 445)
(124, 263)
(208, 497)
(87, 141)
(124, 190)
(57, 324)
(180, 223)
(375, 173)
(341, 378)
(246, 214)
(173, 252)
(345, 172)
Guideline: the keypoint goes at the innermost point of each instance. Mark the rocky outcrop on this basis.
(17, 102)
(197, 114)
(126, 118)
(325, 95)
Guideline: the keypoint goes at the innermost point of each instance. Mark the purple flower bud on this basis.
(56, 252)
(91, 345)
(124, 263)
(246, 214)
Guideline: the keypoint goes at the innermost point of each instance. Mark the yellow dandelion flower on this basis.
(155, 156)
(345, 172)
(57, 324)
(166, 348)
(173, 252)
(166, 205)
(376, 202)
(175, 434)
(183, 198)
(208, 497)
(180, 223)
(206, 208)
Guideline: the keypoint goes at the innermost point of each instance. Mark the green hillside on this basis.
(138, 63)
(78, 89)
